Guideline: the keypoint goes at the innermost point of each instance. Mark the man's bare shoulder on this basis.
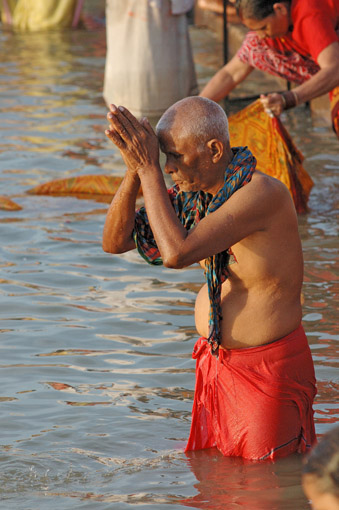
(264, 192)
(266, 184)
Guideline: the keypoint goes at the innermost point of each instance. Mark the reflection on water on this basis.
(232, 483)
(96, 372)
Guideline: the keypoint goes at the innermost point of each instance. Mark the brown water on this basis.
(96, 371)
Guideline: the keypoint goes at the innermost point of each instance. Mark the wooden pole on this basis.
(225, 31)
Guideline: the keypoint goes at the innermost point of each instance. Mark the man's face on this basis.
(274, 25)
(188, 164)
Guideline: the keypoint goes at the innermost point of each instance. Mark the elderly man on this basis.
(254, 375)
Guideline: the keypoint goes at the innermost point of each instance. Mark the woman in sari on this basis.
(296, 40)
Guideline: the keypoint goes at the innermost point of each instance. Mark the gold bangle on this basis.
(284, 101)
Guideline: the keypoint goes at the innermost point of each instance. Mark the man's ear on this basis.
(216, 148)
(281, 9)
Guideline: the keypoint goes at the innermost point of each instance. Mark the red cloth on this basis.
(314, 25)
(255, 402)
(278, 59)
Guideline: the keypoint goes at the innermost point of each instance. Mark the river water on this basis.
(96, 372)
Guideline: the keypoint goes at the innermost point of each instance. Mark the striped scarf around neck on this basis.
(190, 208)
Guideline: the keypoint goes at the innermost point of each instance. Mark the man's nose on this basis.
(169, 168)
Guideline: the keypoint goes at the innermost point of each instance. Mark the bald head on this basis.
(197, 118)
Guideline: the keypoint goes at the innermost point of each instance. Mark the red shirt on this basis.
(315, 26)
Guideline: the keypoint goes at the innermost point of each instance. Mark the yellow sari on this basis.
(36, 15)
(274, 150)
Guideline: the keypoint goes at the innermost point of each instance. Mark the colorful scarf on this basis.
(190, 208)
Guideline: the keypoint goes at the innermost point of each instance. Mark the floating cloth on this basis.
(7, 204)
(81, 185)
(35, 15)
(274, 150)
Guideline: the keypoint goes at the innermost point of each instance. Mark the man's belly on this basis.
(250, 318)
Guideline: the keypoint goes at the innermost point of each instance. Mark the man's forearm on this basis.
(168, 232)
(119, 224)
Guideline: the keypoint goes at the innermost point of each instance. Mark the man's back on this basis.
(261, 297)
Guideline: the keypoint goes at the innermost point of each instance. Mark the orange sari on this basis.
(272, 146)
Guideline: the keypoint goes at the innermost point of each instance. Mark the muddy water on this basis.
(96, 373)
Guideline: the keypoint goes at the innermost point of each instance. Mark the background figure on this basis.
(149, 63)
(36, 15)
(321, 473)
(296, 40)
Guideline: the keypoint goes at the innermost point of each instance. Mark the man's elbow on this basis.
(173, 261)
(117, 245)
(108, 248)
(114, 248)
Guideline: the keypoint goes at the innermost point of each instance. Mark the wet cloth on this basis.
(255, 402)
(190, 208)
(274, 150)
(104, 185)
(6, 204)
(149, 62)
(279, 57)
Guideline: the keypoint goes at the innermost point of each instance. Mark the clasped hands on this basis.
(136, 140)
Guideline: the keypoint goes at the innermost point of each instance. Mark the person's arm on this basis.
(325, 80)
(226, 79)
(119, 224)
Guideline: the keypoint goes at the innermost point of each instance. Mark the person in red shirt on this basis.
(297, 40)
